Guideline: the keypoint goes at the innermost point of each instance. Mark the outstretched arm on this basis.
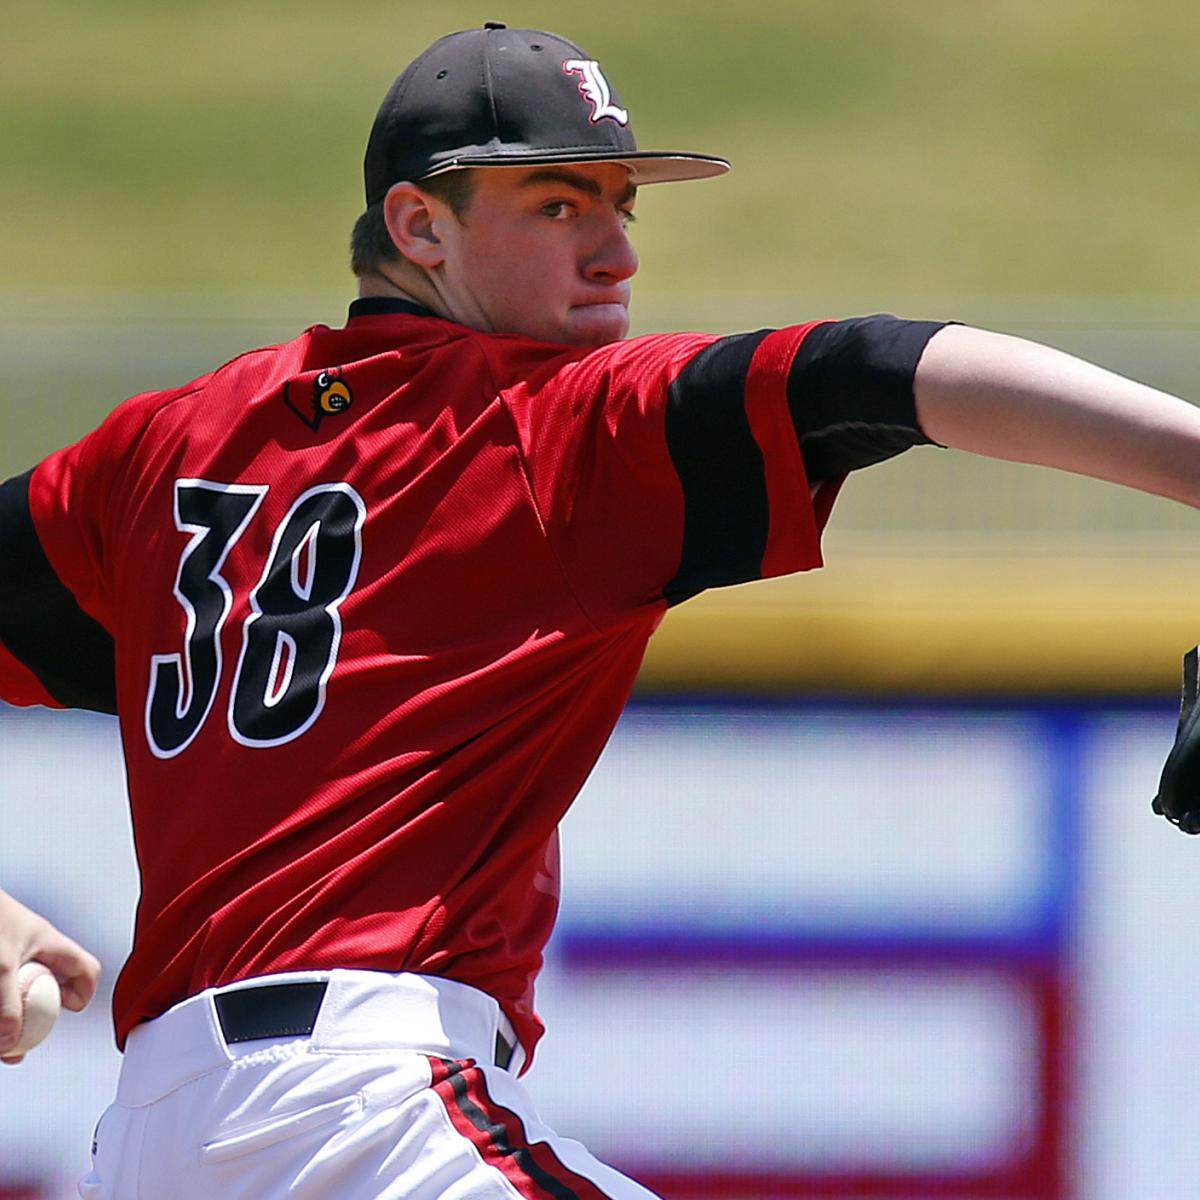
(26, 937)
(1006, 397)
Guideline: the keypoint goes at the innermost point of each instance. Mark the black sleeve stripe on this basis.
(851, 392)
(40, 623)
(719, 464)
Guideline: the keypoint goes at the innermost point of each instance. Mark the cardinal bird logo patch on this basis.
(593, 87)
(330, 394)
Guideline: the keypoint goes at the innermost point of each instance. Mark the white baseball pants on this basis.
(391, 1097)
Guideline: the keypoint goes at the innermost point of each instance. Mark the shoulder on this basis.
(517, 362)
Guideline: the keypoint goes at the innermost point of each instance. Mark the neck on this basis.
(378, 284)
(404, 281)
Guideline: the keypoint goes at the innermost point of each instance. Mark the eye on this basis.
(558, 209)
(628, 217)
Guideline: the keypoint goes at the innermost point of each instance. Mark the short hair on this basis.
(371, 244)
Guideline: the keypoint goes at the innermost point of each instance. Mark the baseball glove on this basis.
(1178, 796)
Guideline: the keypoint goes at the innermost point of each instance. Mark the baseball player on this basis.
(369, 603)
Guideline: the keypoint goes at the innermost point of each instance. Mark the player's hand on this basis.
(26, 937)
(1178, 796)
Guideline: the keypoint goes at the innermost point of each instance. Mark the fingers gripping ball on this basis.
(1178, 796)
(40, 1002)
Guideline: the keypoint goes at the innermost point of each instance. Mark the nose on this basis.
(614, 259)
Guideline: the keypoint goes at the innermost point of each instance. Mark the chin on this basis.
(596, 324)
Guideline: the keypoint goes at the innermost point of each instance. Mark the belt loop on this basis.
(504, 1051)
(509, 1053)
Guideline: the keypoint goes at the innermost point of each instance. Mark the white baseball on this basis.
(40, 1002)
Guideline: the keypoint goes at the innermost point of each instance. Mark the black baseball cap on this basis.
(500, 97)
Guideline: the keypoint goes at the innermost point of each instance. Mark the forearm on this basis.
(1006, 397)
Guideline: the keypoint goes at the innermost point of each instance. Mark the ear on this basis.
(410, 218)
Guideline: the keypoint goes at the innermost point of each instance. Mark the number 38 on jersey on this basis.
(292, 633)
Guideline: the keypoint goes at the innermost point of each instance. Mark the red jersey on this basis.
(368, 605)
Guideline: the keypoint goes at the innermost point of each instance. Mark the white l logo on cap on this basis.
(595, 90)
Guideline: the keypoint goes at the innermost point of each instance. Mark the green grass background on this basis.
(882, 149)
(179, 180)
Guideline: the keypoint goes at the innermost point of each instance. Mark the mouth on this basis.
(605, 300)
(621, 304)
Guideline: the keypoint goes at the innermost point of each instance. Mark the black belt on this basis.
(288, 1010)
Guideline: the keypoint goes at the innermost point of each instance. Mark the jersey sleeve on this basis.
(666, 465)
(56, 612)
(54, 649)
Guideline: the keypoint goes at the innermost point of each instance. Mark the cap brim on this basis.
(645, 166)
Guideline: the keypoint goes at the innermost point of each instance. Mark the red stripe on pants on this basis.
(462, 1088)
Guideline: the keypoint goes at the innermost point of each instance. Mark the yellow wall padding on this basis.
(1020, 618)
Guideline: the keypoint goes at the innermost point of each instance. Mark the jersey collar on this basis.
(379, 306)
